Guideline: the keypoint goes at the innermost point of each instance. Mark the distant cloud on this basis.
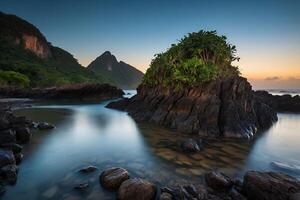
(272, 78)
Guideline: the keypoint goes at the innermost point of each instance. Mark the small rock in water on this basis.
(190, 145)
(88, 169)
(218, 181)
(136, 189)
(2, 190)
(113, 177)
(286, 167)
(45, 126)
(82, 186)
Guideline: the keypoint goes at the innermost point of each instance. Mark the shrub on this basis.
(197, 58)
(13, 79)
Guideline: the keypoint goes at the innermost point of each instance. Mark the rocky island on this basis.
(194, 88)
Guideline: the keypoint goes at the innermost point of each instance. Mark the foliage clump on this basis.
(198, 57)
(13, 79)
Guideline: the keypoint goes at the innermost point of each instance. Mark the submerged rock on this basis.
(45, 126)
(223, 107)
(88, 169)
(81, 186)
(269, 186)
(136, 189)
(112, 178)
(190, 145)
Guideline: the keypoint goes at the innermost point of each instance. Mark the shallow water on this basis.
(90, 134)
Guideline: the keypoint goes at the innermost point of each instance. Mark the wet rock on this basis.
(113, 177)
(269, 185)
(15, 148)
(7, 136)
(45, 126)
(82, 186)
(88, 169)
(295, 196)
(2, 190)
(235, 195)
(18, 158)
(289, 168)
(165, 196)
(23, 135)
(6, 158)
(136, 189)
(190, 145)
(218, 181)
(9, 173)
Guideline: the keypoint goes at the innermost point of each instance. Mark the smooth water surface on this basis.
(90, 134)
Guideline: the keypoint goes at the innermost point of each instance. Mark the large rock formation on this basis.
(119, 73)
(224, 107)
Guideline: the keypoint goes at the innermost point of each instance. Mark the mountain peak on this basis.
(108, 53)
(121, 73)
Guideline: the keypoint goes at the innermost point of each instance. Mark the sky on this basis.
(266, 32)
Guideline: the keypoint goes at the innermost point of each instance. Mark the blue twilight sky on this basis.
(266, 32)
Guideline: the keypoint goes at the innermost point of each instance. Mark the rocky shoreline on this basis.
(14, 132)
(283, 103)
(77, 92)
(224, 107)
(255, 185)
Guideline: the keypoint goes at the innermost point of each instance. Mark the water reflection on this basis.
(91, 134)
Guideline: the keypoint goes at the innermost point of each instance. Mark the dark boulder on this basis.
(7, 136)
(23, 135)
(6, 158)
(9, 173)
(218, 181)
(15, 148)
(190, 145)
(269, 186)
(45, 126)
(137, 189)
(112, 178)
(18, 158)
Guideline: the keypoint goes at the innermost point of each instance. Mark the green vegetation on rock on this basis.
(13, 79)
(197, 58)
